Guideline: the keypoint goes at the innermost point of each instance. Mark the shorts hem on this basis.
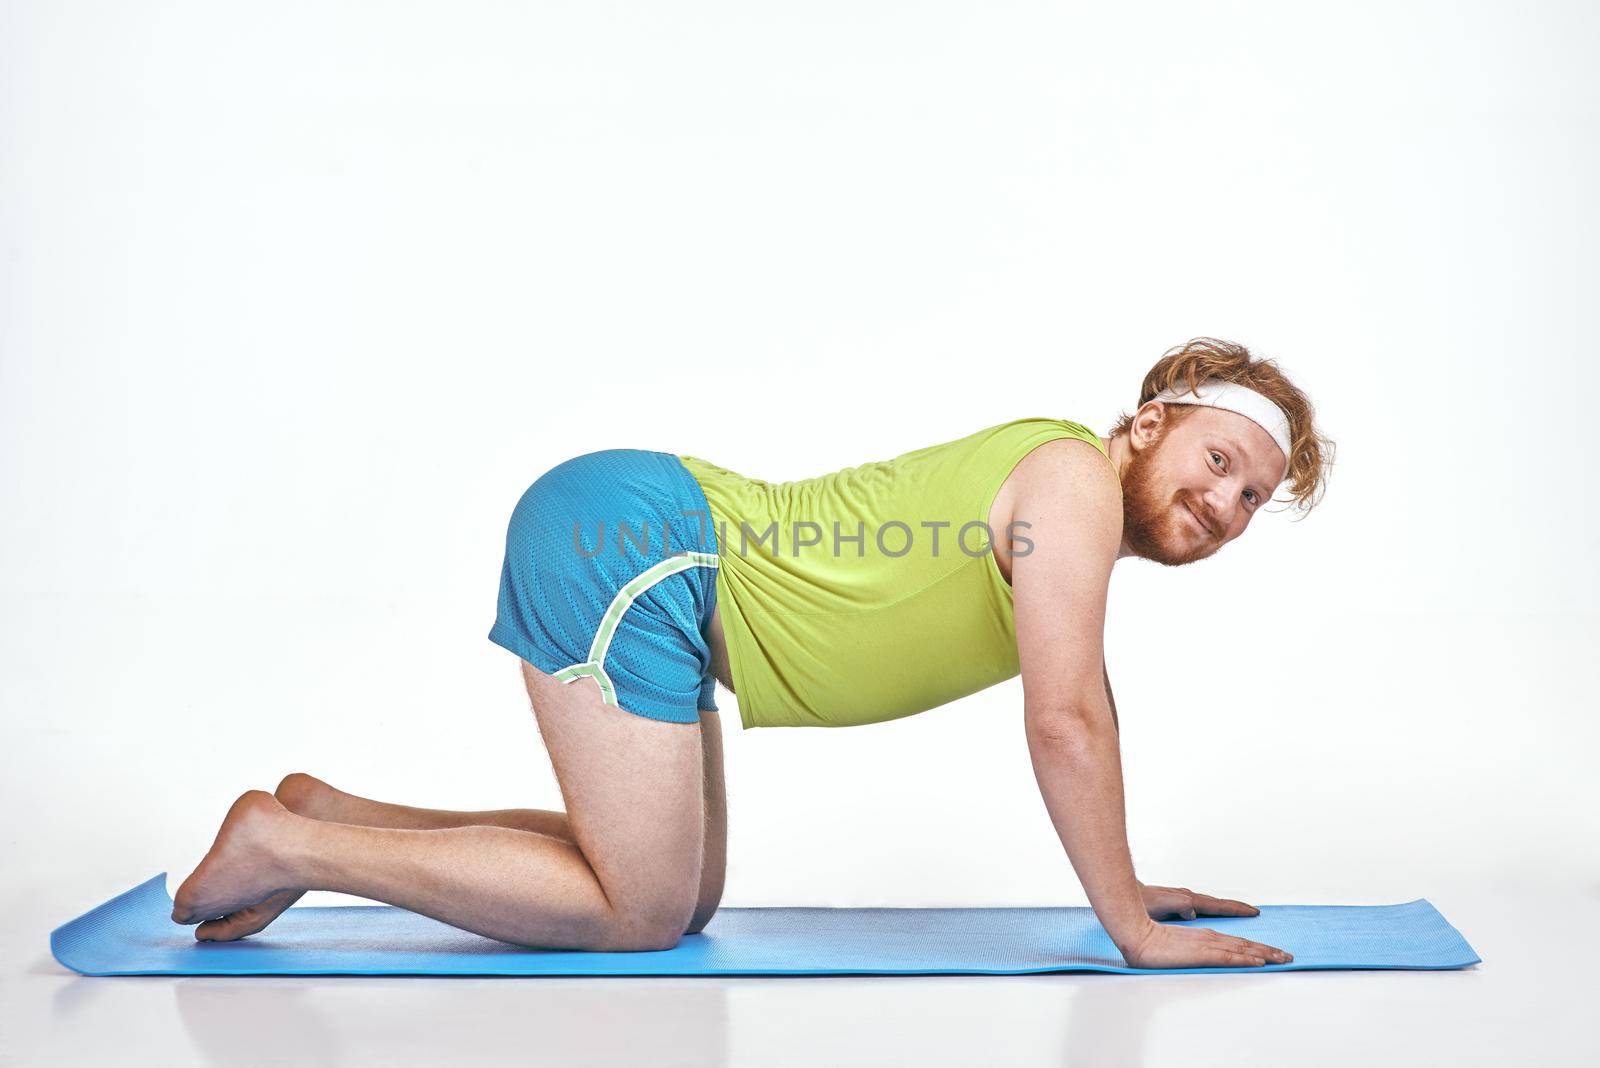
(512, 642)
(663, 717)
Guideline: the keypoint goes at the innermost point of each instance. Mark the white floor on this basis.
(1510, 864)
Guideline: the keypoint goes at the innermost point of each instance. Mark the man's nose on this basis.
(1222, 508)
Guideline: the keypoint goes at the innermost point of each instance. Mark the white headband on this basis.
(1236, 398)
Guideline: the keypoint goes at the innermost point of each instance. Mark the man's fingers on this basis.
(1257, 949)
(1238, 952)
(1223, 906)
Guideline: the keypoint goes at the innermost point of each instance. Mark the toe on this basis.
(241, 924)
(227, 928)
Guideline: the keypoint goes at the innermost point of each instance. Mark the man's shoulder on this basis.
(1065, 483)
(1072, 466)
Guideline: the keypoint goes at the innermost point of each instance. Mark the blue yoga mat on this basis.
(133, 934)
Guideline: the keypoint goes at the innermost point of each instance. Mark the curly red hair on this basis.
(1310, 452)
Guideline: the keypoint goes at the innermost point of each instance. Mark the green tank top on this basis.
(871, 593)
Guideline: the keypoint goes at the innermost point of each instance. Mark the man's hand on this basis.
(1195, 947)
(1181, 903)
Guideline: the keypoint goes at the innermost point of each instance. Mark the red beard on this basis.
(1157, 526)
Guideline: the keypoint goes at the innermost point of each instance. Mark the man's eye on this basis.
(1252, 494)
(1217, 457)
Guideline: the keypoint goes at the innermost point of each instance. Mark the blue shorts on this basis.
(610, 573)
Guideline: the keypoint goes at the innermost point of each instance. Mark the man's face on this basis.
(1191, 488)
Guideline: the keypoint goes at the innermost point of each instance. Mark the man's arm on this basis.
(1112, 701)
(1070, 500)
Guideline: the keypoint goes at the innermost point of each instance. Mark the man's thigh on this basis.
(635, 797)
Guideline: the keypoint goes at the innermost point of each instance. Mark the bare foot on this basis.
(303, 795)
(242, 869)
(247, 921)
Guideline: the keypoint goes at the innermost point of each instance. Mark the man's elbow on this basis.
(1067, 726)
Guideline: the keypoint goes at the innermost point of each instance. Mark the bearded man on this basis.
(634, 581)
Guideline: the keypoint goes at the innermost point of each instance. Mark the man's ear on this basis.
(1148, 424)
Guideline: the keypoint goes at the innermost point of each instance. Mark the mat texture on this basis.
(133, 934)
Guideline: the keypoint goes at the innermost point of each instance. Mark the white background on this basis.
(296, 299)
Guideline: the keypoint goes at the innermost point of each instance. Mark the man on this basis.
(618, 651)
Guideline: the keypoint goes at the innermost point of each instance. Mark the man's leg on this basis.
(307, 795)
(627, 879)
(714, 867)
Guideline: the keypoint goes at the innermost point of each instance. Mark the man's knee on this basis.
(648, 917)
(705, 908)
(642, 934)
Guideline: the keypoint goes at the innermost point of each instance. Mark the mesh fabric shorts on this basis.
(610, 572)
